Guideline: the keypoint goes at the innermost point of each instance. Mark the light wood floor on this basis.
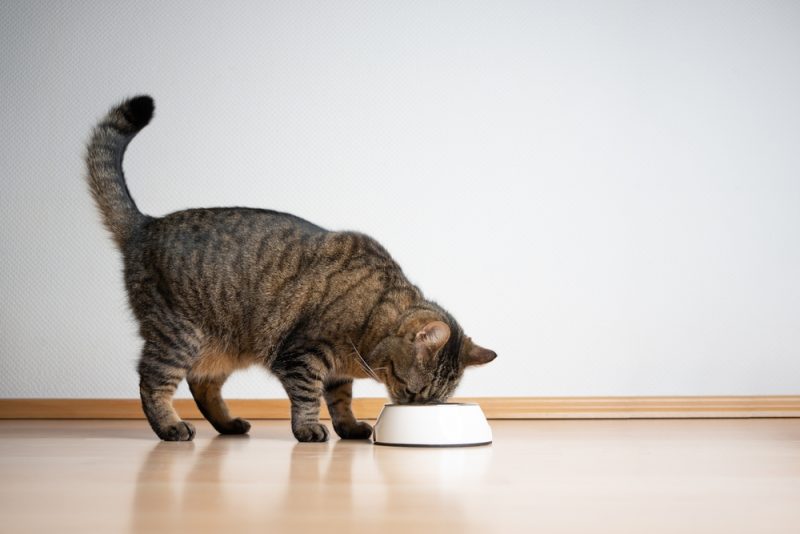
(643, 476)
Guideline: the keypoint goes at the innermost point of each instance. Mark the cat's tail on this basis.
(104, 162)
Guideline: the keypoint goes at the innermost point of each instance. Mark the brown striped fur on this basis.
(216, 290)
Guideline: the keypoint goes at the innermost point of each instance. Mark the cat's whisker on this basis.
(364, 365)
(367, 370)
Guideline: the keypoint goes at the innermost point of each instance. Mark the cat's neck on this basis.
(383, 318)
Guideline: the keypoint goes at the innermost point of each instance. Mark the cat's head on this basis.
(424, 359)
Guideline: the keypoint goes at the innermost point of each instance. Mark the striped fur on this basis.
(216, 290)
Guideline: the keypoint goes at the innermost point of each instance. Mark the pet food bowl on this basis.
(432, 425)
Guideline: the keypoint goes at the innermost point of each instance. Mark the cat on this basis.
(220, 289)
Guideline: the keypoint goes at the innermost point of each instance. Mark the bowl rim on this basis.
(438, 405)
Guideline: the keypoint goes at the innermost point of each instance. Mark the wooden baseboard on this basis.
(493, 407)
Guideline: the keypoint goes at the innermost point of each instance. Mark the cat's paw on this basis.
(180, 431)
(235, 426)
(354, 430)
(311, 432)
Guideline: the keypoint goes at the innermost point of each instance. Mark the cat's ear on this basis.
(430, 339)
(477, 355)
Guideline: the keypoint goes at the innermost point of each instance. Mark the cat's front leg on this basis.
(300, 376)
(339, 397)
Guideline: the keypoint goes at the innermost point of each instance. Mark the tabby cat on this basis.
(220, 289)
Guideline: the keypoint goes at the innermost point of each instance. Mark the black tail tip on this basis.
(138, 111)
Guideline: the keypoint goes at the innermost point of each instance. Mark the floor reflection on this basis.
(178, 486)
(154, 506)
(426, 486)
(262, 484)
(357, 486)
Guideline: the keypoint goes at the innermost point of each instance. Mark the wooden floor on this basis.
(643, 476)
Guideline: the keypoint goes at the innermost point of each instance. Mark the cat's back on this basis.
(234, 221)
(223, 229)
(231, 268)
(207, 263)
(215, 242)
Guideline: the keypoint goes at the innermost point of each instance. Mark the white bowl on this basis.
(432, 425)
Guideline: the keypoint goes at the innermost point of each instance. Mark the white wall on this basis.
(606, 193)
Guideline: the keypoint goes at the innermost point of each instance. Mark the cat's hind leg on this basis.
(208, 396)
(163, 365)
